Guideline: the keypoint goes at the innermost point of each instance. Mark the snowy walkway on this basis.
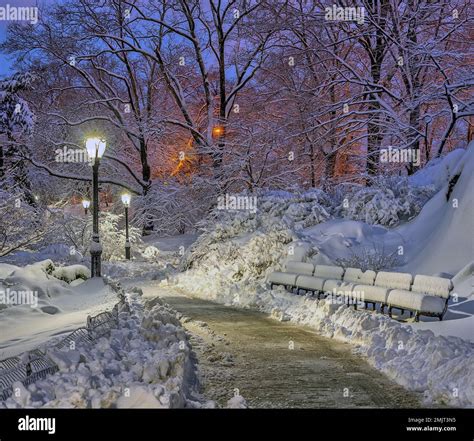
(246, 350)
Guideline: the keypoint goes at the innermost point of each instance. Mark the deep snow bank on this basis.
(41, 300)
(443, 231)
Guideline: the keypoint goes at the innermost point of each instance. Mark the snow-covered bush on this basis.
(46, 266)
(71, 273)
(237, 260)
(151, 253)
(36, 278)
(388, 202)
(173, 208)
(374, 257)
(112, 237)
(246, 243)
(274, 210)
(77, 233)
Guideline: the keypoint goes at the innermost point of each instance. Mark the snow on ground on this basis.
(145, 363)
(172, 243)
(49, 306)
(443, 231)
(64, 297)
(162, 259)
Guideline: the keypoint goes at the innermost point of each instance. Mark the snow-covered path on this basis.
(275, 364)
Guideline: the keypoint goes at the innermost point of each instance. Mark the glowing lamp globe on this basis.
(86, 204)
(95, 147)
(126, 199)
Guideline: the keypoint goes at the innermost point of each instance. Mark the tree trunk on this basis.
(374, 141)
(329, 168)
(375, 122)
(146, 176)
(312, 165)
(2, 163)
(414, 138)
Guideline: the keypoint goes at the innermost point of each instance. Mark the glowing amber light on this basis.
(218, 131)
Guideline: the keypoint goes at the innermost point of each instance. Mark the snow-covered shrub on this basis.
(77, 232)
(239, 259)
(45, 265)
(246, 244)
(306, 214)
(150, 252)
(36, 278)
(275, 210)
(71, 273)
(112, 237)
(173, 208)
(388, 202)
(375, 257)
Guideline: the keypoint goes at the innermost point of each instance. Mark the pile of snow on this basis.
(36, 302)
(438, 171)
(37, 279)
(145, 363)
(71, 273)
(43, 278)
(443, 229)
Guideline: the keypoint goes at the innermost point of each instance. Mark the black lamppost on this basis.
(126, 203)
(95, 149)
(86, 204)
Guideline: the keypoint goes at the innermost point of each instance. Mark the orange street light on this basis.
(218, 131)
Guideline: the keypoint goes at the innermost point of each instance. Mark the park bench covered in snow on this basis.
(425, 295)
(428, 296)
(288, 278)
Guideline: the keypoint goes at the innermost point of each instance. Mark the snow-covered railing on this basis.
(34, 365)
(78, 335)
